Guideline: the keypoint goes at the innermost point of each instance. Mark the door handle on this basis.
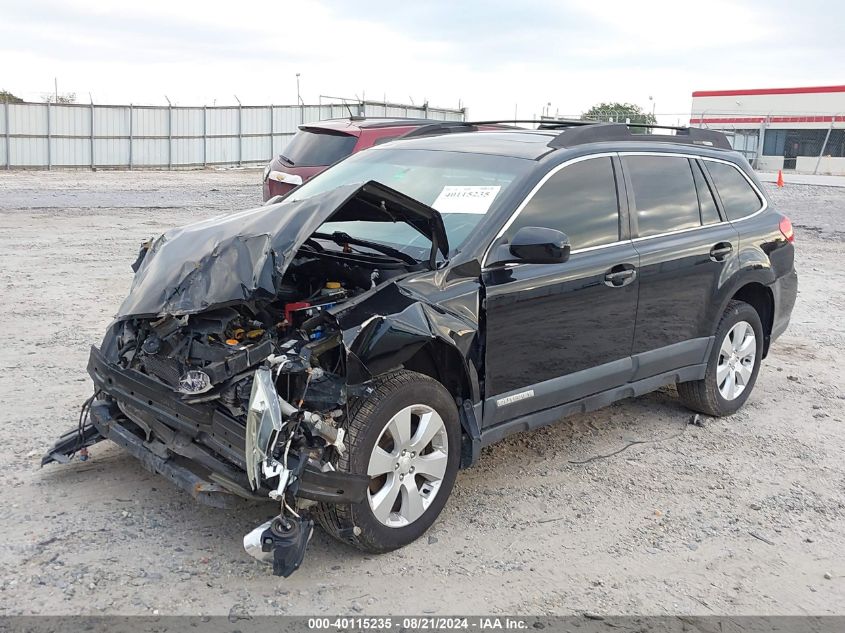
(620, 275)
(721, 251)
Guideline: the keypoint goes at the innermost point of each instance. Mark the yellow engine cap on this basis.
(332, 285)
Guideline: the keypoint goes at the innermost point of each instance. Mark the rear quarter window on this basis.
(738, 196)
(709, 212)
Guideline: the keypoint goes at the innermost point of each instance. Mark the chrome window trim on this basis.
(765, 202)
(557, 168)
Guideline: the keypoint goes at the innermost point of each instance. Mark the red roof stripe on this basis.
(768, 91)
(771, 119)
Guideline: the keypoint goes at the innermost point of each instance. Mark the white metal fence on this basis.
(47, 136)
(805, 142)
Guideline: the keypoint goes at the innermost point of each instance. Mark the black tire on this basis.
(703, 395)
(355, 523)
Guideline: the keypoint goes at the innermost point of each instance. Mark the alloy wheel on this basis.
(737, 356)
(407, 465)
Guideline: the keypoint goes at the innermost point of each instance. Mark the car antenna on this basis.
(348, 109)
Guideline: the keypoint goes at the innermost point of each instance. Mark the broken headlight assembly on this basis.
(272, 428)
(263, 425)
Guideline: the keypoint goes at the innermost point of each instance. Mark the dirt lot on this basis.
(745, 515)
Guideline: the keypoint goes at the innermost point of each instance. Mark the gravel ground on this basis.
(742, 515)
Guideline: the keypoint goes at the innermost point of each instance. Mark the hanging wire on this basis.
(84, 417)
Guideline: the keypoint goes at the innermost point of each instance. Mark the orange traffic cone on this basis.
(780, 178)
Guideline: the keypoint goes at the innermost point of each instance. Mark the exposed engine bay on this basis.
(210, 356)
(227, 369)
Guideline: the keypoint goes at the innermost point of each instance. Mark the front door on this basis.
(558, 332)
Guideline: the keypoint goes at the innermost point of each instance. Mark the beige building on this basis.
(801, 129)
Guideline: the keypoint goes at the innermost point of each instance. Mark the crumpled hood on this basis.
(242, 256)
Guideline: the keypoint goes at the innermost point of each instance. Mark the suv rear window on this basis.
(738, 197)
(664, 193)
(318, 148)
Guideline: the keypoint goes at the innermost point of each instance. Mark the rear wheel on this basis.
(733, 364)
(406, 437)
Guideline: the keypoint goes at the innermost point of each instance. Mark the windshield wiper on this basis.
(341, 239)
(287, 160)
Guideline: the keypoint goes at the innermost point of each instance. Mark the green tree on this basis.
(8, 97)
(620, 113)
(67, 97)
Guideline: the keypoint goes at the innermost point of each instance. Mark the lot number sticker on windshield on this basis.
(466, 199)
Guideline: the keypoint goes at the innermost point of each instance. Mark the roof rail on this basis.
(451, 127)
(366, 117)
(598, 132)
(579, 132)
(444, 127)
(544, 124)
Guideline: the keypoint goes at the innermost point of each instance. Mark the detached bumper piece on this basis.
(181, 474)
(71, 442)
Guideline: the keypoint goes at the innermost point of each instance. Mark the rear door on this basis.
(559, 332)
(686, 252)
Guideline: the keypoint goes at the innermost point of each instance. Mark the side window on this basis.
(664, 193)
(709, 212)
(738, 197)
(579, 200)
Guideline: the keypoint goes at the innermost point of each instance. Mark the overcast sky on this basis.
(493, 55)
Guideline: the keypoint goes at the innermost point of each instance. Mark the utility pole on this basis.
(824, 145)
(240, 131)
(169, 133)
(299, 102)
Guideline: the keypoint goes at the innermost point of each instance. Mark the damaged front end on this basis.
(227, 370)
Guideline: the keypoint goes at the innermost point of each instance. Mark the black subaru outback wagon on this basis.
(346, 350)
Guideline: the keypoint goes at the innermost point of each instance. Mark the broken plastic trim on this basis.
(280, 541)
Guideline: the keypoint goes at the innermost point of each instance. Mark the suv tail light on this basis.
(786, 229)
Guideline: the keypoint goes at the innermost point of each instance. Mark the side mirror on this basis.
(538, 245)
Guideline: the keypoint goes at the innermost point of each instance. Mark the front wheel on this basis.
(406, 436)
(733, 364)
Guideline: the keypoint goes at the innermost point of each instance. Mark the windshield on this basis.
(317, 148)
(463, 187)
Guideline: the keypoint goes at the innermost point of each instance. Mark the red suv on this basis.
(318, 145)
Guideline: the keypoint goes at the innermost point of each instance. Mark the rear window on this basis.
(318, 148)
(664, 194)
(738, 196)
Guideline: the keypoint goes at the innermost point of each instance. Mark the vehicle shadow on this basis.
(575, 440)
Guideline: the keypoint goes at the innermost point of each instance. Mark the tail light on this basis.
(786, 229)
